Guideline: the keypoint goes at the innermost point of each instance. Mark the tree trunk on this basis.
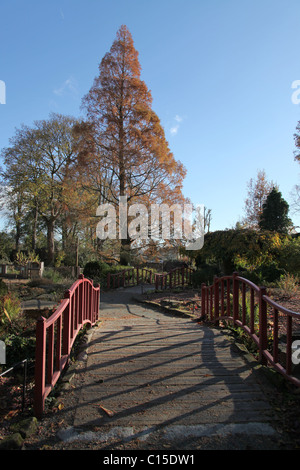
(64, 236)
(18, 235)
(34, 227)
(50, 241)
(125, 242)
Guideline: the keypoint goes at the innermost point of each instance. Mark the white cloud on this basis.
(174, 129)
(69, 86)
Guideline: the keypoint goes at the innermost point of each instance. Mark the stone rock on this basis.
(66, 434)
(26, 427)
(12, 442)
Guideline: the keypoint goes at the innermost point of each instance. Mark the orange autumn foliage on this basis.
(122, 144)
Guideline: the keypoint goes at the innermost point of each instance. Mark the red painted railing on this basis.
(248, 306)
(176, 277)
(55, 336)
(129, 278)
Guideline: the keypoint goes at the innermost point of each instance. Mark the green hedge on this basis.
(97, 271)
(259, 255)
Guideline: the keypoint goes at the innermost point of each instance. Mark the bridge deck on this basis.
(153, 378)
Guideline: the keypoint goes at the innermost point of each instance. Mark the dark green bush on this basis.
(245, 249)
(19, 347)
(267, 273)
(3, 288)
(95, 269)
(205, 274)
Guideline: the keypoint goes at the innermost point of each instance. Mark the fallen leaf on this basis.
(11, 414)
(5, 311)
(108, 412)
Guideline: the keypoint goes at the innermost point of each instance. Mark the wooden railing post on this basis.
(203, 300)
(40, 367)
(235, 294)
(216, 300)
(263, 333)
(288, 365)
(67, 323)
(97, 303)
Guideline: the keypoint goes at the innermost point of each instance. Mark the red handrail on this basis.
(55, 336)
(227, 298)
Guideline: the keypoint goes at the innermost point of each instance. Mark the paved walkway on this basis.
(150, 380)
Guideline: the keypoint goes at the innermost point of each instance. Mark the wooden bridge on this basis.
(154, 379)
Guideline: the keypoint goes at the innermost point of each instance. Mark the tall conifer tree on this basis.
(274, 215)
(124, 135)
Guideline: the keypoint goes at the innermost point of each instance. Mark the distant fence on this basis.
(129, 278)
(176, 277)
(134, 276)
(36, 270)
(269, 324)
(55, 336)
(29, 271)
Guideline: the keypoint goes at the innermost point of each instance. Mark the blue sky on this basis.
(220, 73)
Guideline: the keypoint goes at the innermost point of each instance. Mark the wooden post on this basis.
(67, 325)
(235, 293)
(97, 302)
(58, 344)
(79, 304)
(288, 366)
(263, 336)
(203, 300)
(222, 297)
(216, 300)
(50, 356)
